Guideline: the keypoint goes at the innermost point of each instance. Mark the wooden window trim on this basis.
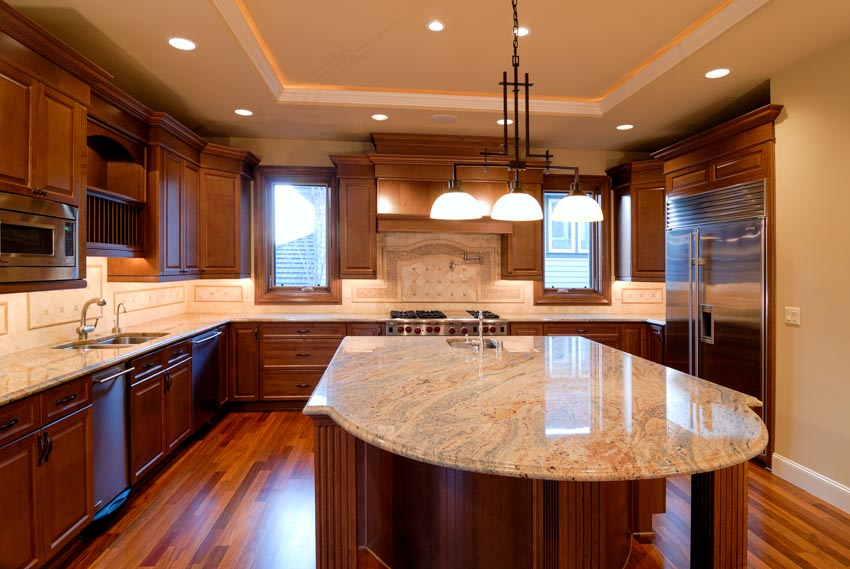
(601, 237)
(264, 292)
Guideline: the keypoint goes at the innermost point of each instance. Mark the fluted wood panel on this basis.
(719, 519)
(336, 497)
(593, 525)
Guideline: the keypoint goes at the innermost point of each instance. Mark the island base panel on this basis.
(719, 519)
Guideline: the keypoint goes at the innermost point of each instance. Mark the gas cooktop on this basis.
(436, 323)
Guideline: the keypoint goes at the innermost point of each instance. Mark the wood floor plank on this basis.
(242, 497)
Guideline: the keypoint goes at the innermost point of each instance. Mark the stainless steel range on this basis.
(436, 323)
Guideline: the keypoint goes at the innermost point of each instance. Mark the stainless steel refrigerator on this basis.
(716, 271)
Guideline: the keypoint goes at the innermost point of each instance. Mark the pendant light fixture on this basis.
(517, 205)
(455, 204)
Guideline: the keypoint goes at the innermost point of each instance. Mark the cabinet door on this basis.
(655, 343)
(522, 251)
(647, 233)
(171, 214)
(190, 202)
(633, 338)
(358, 249)
(67, 479)
(58, 145)
(20, 500)
(221, 229)
(178, 404)
(289, 384)
(16, 116)
(147, 437)
(244, 362)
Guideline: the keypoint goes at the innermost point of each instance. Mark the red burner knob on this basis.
(464, 330)
(492, 329)
(437, 329)
(451, 330)
(429, 329)
(418, 330)
(408, 329)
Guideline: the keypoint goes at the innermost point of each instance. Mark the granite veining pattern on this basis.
(559, 408)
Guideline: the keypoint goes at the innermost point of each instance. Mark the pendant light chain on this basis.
(516, 35)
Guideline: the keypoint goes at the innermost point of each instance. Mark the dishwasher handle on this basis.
(208, 338)
(113, 376)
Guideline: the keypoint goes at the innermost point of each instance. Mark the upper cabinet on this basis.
(358, 207)
(639, 211)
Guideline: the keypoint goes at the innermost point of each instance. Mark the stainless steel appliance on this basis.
(109, 428)
(716, 287)
(38, 240)
(206, 370)
(436, 323)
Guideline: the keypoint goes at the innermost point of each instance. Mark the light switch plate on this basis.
(792, 315)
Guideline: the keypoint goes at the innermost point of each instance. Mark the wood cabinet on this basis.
(633, 338)
(526, 328)
(243, 361)
(46, 475)
(522, 250)
(225, 212)
(655, 343)
(358, 253)
(179, 231)
(639, 221)
(160, 406)
(605, 333)
(364, 329)
(44, 139)
(293, 357)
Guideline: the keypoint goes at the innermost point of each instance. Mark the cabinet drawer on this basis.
(19, 418)
(281, 384)
(295, 352)
(364, 329)
(581, 329)
(302, 330)
(526, 328)
(177, 353)
(65, 399)
(146, 366)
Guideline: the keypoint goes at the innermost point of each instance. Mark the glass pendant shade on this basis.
(577, 207)
(455, 205)
(517, 206)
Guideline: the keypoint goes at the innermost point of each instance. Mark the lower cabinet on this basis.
(243, 369)
(160, 406)
(605, 333)
(526, 328)
(46, 489)
(655, 343)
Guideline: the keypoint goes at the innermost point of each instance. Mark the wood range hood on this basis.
(411, 170)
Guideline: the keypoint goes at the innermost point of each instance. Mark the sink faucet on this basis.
(117, 328)
(480, 329)
(84, 329)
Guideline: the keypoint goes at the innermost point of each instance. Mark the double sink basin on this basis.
(112, 341)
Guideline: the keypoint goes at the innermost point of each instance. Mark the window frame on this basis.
(264, 290)
(601, 241)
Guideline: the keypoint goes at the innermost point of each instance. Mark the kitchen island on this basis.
(429, 454)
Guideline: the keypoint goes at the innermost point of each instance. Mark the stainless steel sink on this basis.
(112, 341)
(463, 344)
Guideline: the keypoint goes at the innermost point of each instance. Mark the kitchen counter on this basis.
(557, 408)
(31, 371)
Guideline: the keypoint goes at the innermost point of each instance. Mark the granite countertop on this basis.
(29, 372)
(560, 408)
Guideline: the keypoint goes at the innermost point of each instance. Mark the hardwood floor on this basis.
(243, 498)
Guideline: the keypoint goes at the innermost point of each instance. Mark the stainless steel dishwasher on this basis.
(206, 363)
(109, 425)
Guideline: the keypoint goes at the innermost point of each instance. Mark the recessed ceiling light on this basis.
(718, 73)
(625, 126)
(436, 26)
(522, 31)
(502, 121)
(243, 112)
(182, 44)
(379, 117)
(443, 119)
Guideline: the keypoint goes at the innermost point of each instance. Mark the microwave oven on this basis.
(38, 240)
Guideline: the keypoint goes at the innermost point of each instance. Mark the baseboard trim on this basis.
(824, 488)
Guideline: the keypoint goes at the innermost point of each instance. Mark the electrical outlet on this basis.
(792, 315)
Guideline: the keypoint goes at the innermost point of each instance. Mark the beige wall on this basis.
(812, 238)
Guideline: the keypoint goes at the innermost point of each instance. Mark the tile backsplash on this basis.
(450, 272)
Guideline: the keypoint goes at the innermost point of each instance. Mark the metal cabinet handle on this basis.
(302, 385)
(40, 449)
(9, 425)
(49, 444)
(65, 400)
(302, 355)
(167, 382)
(303, 331)
(113, 376)
(148, 365)
(583, 331)
(177, 354)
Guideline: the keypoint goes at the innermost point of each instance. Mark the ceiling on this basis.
(319, 70)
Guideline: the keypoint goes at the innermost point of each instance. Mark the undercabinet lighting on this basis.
(502, 121)
(182, 44)
(243, 112)
(436, 26)
(379, 117)
(717, 73)
(625, 126)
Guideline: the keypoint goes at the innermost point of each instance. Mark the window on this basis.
(576, 259)
(296, 236)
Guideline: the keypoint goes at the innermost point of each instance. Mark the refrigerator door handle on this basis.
(706, 312)
(691, 303)
(695, 300)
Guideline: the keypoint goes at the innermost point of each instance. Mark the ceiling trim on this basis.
(710, 26)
